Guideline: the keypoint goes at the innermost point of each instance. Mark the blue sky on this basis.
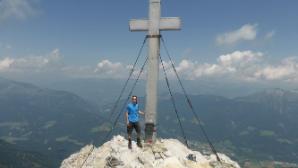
(86, 32)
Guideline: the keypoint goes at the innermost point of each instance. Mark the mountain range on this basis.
(50, 122)
(39, 123)
(261, 125)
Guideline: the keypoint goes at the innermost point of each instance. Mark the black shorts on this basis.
(133, 125)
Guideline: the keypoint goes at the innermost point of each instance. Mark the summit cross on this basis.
(154, 24)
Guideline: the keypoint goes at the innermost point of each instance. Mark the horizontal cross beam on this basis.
(165, 23)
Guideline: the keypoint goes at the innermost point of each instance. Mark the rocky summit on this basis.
(165, 153)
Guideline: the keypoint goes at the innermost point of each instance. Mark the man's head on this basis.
(134, 99)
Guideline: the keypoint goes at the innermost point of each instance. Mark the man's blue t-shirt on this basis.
(133, 112)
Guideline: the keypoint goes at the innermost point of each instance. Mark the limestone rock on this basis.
(165, 153)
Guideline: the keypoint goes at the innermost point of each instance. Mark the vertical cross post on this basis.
(153, 25)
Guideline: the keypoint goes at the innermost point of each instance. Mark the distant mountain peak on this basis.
(271, 94)
(165, 153)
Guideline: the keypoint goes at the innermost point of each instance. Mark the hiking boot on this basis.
(129, 143)
(139, 143)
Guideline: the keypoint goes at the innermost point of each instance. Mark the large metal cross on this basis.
(153, 25)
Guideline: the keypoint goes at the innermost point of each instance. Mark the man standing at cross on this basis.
(132, 120)
(153, 25)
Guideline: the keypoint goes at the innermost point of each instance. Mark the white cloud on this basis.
(5, 63)
(241, 65)
(286, 70)
(108, 67)
(246, 32)
(20, 9)
(184, 65)
(239, 57)
(233, 64)
(238, 65)
(52, 63)
(272, 72)
(49, 62)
